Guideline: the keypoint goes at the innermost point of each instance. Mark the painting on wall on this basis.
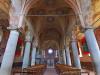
(84, 46)
(19, 47)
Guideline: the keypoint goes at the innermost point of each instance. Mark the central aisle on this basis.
(50, 71)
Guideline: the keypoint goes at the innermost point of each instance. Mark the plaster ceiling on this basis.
(4, 15)
(47, 27)
(49, 22)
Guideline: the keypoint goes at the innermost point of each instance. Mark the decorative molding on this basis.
(12, 28)
(88, 27)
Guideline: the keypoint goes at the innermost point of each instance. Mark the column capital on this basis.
(35, 43)
(28, 41)
(73, 37)
(13, 28)
(28, 37)
(73, 40)
(88, 27)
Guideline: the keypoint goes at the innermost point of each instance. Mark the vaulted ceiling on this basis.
(50, 20)
(4, 13)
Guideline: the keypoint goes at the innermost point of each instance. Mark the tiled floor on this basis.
(50, 71)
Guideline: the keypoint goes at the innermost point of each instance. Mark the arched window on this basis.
(50, 51)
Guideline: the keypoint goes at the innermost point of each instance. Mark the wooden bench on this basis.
(33, 70)
(67, 70)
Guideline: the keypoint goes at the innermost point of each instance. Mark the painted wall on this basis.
(97, 34)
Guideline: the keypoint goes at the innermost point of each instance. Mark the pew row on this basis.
(33, 70)
(67, 70)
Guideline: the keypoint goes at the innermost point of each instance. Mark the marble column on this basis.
(80, 50)
(42, 58)
(33, 56)
(68, 58)
(9, 54)
(56, 53)
(75, 54)
(43, 53)
(64, 56)
(26, 54)
(59, 55)
(93, 48)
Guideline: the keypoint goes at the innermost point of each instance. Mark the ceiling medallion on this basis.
(50, 19)
(49, 2)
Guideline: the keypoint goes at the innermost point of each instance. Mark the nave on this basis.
(42, 37)
(50, 71)
(60, 69)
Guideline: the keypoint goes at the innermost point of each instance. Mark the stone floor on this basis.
(50, 71)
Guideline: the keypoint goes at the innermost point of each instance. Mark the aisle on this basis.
(90, 72)
(50, 71)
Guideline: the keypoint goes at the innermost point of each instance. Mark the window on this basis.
(50, 51)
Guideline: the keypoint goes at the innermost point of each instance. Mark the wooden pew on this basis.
(33, 70)
(88, 66)
(67, 70)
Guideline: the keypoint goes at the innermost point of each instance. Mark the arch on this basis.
(50, 44)
(5, 6)
(71, 3)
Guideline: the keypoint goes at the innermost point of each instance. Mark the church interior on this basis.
(49, 37)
